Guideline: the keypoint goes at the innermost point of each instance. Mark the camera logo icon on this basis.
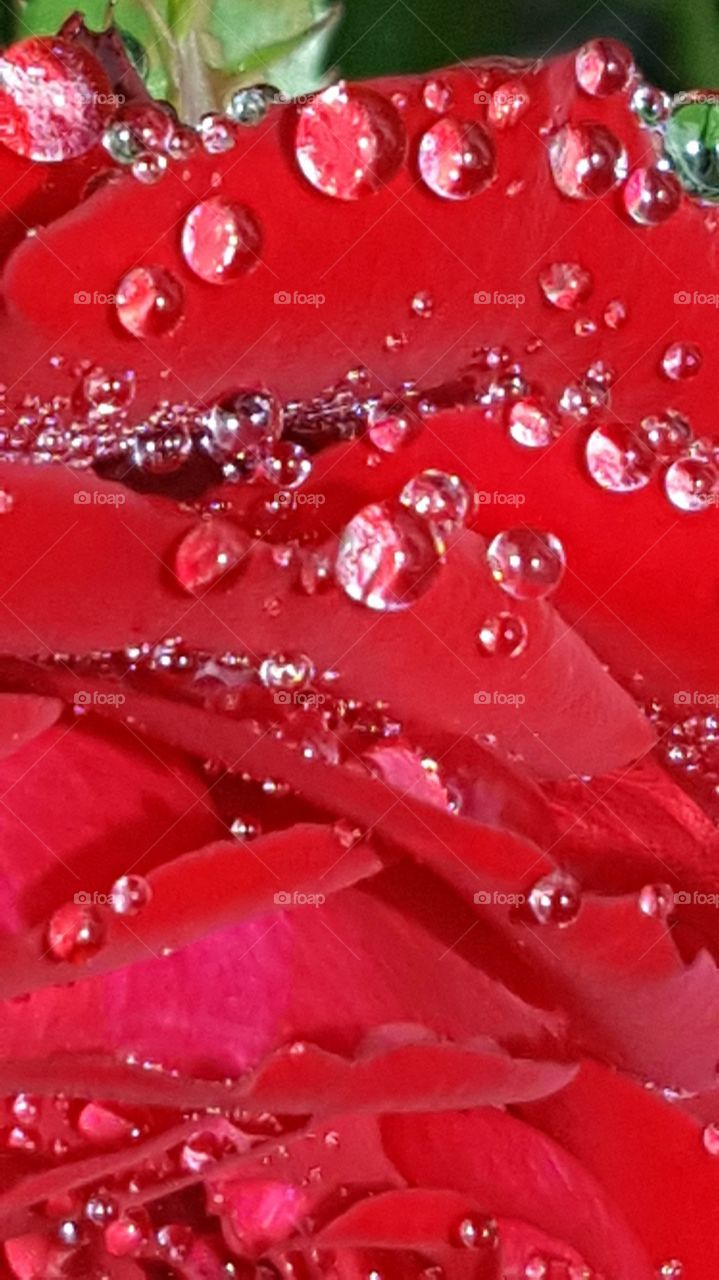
(482, 698)
(483, 297)
(82, 498)
(682, 898)
(283, 898)
(683, 298)
(82, 698)
(483, 898)
(83, 298)
(282, 697)
(683, 698)
(82, 899)
(283, 298)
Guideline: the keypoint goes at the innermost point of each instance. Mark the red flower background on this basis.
(350, 1045)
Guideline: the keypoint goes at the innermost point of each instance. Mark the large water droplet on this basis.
(249, 106)
(235, 430)
(208, 553)
(692, 141)
(508, 104)
(651, 196)
(530, 425)
(692, 484)
(125, 1237)
(221, 240)
(457, 158)
(444, 500)
(390, 426)
(555, 899)
(217, 134)
(53, 99)
(603, 67)
(565, 284)
(149, 302)
(527, 563)
(130, 895)
(586, 160)
(349, 141)
(650, 105)
(618, 459)
(437, 96)
(386, 558)
(286, 465)
(681, 360)
(502, 636)
(76, 932)
(108, 393)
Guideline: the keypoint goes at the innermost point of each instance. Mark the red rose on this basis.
(357, 746)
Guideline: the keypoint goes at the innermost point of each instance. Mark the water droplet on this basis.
(7, 502)
(249, 106)
(161, 452)
(390, 426)
(201, 1151)
(651, 196)
(603, 67)
(437, 96)
(692, 484)
(444, 500)
(53, 99)
(657, 901)
(208, 553)
(387, 557)
(555, 899)
(174, 1241)
(149, 168)
(220, 240)
(671, 1270)
(150, 124)
(127, 1235)
(530, 425)
(666, 434)
(692, 142)
(652, 106)
(457, 158)
(287, 465)
(477, 1233)
(710, 1138)
(615, 314)
(108, 393)
(618, 459)
(245, 828)
(586, 160)
(283, 671)
(422, 304)
(149, 302)
(565, 284)
(217, 134)
(100, 1209)
(236, 429)
(349, 141)
(75, 933)
(508, 104)
(527, 563)
(130, 895)
(120, 143)
(502, 636)
(681, 360)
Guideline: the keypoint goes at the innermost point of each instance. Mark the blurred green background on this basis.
(675, 41)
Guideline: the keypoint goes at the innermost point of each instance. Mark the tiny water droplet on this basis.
(586, 160)
(391, 426)
(667, 434)
(249, 106)
(287, 465)
(148, 168)
(75, 933)
(603, 67)
(221, 240)
(437, 96)
(710, 1139)
(502, 636)
(457, 158)
(130, 895)
(209, 552)
(652, 106)
(245, 828)
(618, 459)
(286, 671)
(555, 899)
(681, 360)
(508, 104)
(565, 284)
(651, 196)
(444, 500)
(615, 314)
(422, 304)
(656, 901)
(127, 1235)
(692, 484)
(149, 302)
(474, 1232)
(217, 134)
(527, 563)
